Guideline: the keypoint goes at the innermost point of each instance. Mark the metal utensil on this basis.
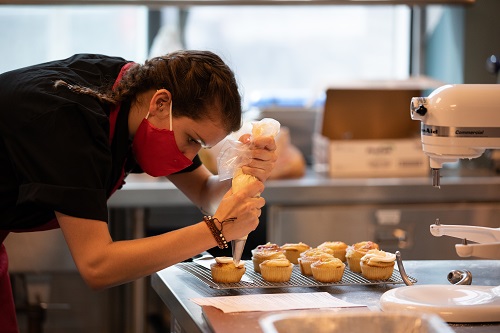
(402, 271)
(460, 277)
(237, 246)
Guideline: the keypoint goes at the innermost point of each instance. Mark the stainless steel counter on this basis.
(471, 198)
(176, 287)
(230, 2)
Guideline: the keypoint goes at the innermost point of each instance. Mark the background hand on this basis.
(263, 154)
(245, 206)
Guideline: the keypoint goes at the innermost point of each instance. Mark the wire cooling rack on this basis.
(255, 280)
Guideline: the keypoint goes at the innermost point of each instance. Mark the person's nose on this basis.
(191, 152)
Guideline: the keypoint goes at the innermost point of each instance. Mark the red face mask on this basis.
(156, 151)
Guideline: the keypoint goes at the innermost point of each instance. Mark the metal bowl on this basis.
(327, 321)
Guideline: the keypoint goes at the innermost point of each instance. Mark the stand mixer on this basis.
(457, 122)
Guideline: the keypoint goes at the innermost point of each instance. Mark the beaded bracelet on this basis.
(219, 237)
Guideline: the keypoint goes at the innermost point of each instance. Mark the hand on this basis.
(263, 154)
(245, 207)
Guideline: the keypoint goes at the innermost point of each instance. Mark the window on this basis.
(300, 49)
(35, 34)
(274, 50)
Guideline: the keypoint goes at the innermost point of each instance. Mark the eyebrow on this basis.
(202, 142)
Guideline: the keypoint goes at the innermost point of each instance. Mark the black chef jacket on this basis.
(55, 153)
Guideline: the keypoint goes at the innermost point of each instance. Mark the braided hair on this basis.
(201, 84)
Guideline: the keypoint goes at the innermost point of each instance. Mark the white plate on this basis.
(454, 303)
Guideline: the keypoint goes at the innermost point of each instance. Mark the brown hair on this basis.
(199, 81)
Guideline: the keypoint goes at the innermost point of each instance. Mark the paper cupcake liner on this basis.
(227, 275)
(292, 256)
(256, 263)
(354, 265)
(376, 273)
(276, 273)
(305, 265)
(340, 254)
(327, 274)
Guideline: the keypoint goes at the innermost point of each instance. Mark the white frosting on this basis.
(277, 262)
(329, 262)
(317, 252)
(378, 256)
(227, 260)
(241, 180)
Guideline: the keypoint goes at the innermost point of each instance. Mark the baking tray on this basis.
(296, 280)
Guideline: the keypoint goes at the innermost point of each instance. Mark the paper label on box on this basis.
(377, 158)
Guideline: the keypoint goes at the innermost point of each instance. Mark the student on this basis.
(70, 132)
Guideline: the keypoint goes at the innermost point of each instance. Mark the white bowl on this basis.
(453, 303)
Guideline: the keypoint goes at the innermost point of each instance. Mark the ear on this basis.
(160, 103)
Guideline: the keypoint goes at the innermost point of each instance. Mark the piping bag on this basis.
(232, 157)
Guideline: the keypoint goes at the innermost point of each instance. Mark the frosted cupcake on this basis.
(309, 256)
(356, 251)
(266, 252)
(266, 247)
(224, 271)
(328, 270)
(339, 249)
(293, 251)
(377, 265)
(276, 270)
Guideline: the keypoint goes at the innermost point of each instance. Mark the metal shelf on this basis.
(187, 3)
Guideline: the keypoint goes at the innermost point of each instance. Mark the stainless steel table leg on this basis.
(139, 286)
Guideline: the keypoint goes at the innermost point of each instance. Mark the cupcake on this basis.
(293, 251)
(266, 247)
(328, 270)
(339, 249)
(377, 265)
(266, 252)
(356, 251)
(224, 271)
(276, 270)
(307, 257)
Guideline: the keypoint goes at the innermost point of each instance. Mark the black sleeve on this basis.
(62, 162)
(54, 143)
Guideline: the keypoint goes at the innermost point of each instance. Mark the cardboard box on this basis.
(363, 114)
(367, 131)
(377, 158)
